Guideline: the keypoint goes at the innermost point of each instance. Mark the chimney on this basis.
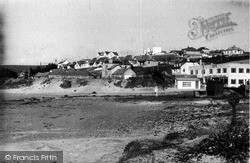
(188, 59)
(200, 62)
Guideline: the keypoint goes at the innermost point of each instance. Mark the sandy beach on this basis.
(94, 123)
(91, 128)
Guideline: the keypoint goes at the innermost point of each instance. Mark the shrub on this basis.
(81, 82)
(231, 144)
(66, 84)
(118, 83)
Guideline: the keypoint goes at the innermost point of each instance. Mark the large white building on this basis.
(233, 74)
(157, 50)
(184, 69)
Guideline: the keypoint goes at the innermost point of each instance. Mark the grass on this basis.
(231, 144)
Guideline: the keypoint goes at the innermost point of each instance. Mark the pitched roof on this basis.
(96, 73)
(92, 61)
(113, 66)
(83, 61)
(119, 72)
(233, 48)
(103, 59)
(107, 52)
(100, 53)
(62, 61)
(115, 53)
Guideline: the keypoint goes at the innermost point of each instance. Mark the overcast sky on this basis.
(48, 30)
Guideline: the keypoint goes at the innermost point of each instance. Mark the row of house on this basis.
(203, 52)
(232, 74)
(115, 73)
(150, 56)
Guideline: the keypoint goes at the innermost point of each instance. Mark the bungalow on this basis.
(128, 73)
(123, 73)
(187, 83)
(109, 69)
(233, 51)
(191, 53)
(82, 64)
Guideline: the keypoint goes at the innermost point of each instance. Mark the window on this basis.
(191, 72)
(241, 70)
(184, 70)
(196, 71)
(210, 71)
(241, 81)
(248, 70)
(224, 70)
(233, 70)
(186, 84)
(218, 70)
(233, 81)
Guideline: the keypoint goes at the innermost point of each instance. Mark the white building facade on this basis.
(233, 51)
(234, 73)
(187, 83)
(184, 69)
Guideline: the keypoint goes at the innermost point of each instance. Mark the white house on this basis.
(123, 73)
(109, 69)
(187, 83)
(233, 74)
(108, 54)
(233, 51)
(82, 64)
(129, 73)
(184, 69)
(156, 50)
(62, 64)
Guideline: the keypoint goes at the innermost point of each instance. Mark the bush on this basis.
(139, 81)
(118, 83)
(231, 144)
(81, 82)
(66, 84)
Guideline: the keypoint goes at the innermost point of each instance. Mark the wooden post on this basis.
(233, 100)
